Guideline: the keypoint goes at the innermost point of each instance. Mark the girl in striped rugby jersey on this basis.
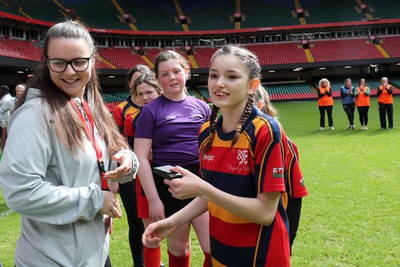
(242, 155)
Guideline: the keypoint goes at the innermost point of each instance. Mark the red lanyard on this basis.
(87, 120)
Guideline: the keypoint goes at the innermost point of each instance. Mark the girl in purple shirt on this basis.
(168, 128)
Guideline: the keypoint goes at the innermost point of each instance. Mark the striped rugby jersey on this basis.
(122, 111)
(255, 164)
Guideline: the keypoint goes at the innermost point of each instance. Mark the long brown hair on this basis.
(251, 62)
(68, 127)
(147, 78)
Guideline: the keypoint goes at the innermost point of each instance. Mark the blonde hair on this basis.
(324, 80)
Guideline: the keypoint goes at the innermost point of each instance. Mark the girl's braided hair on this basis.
(251, 62)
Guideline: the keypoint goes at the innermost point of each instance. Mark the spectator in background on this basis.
(362, 95)
(346, 93)
(168, 128)
(6, 110)
(9, 106)
(294, 183)
(4, 94)
(325, 103)
(62, 147)
(385, 103)
(4, 98)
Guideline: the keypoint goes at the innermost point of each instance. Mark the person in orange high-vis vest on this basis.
(325, 102)
(385, 103)
(362, 95)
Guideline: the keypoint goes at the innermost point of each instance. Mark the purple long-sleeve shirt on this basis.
(173, 126)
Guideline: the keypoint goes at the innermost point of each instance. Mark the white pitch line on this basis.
(5, 213)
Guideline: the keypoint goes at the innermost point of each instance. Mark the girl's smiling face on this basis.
(71, 82)
(228, 82)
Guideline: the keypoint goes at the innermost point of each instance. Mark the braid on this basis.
(245, 115)
(213, 120)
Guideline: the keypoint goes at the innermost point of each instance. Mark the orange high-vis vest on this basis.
(325, 100)
(362, 99)
(385, 97)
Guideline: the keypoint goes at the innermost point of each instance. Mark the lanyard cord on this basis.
(84, 114)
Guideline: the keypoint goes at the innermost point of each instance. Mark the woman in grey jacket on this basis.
(62, 147)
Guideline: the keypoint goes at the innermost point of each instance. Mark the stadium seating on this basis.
(344, 49)
(122, 58)
(99, 64)
(19, 49)
(327, 11)
(290, 91)
(149, 18)
(279, 53)
(217, 18)
(204, 92)
(387, 9)
(203, 56)
(45, 10)
(113, 98)
(391, 45)
(101, 14)
(271, 13)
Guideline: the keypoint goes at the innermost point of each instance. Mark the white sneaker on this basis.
(362, 127)
(321, 128)
(332, 128)
(353, 127)
(365, 127)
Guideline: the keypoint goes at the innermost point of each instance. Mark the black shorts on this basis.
(171, 204)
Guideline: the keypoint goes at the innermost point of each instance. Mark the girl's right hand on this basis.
(156, 210)
(156, 232)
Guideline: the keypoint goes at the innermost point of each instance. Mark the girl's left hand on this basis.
(156, 232)
(125, 167)
(189, 186)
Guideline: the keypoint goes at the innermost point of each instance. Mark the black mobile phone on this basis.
(166, 173)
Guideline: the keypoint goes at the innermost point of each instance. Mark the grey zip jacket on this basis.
(58, 194)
